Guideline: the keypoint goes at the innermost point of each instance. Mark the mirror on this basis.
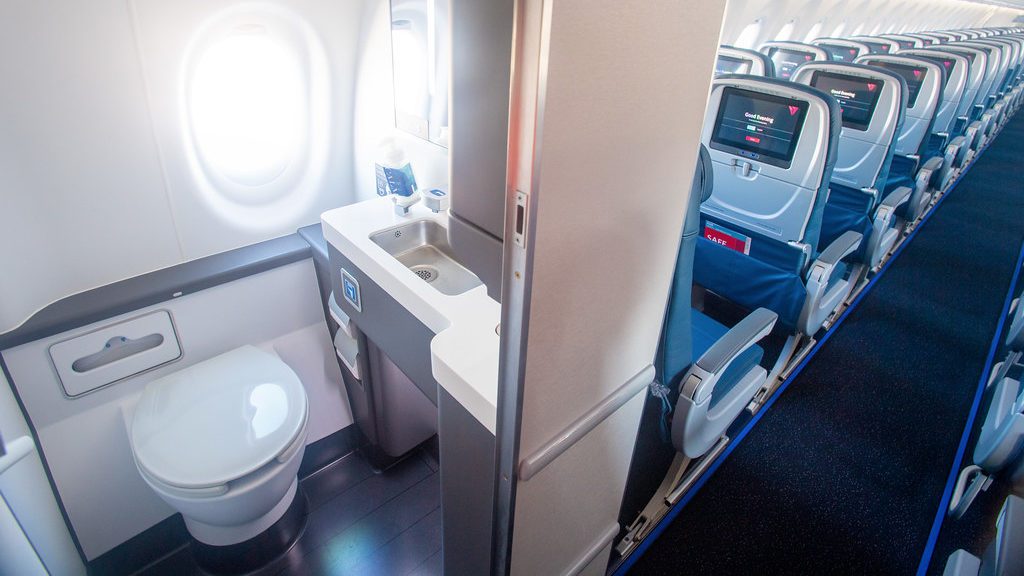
(421, 59)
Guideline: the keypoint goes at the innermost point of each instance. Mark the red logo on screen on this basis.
(872, 86)
(793, 110)
(753, 139)
(808, 57)
(853, 52)
(917, 73)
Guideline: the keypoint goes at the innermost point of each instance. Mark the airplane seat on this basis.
(911, 166)
(786, 56)
(873, 103)
(944, 137)
(732, 60)
(999, 451)
(729, 382)
(773, 145)
(965, 125)
(706, 374)
(1004, 556)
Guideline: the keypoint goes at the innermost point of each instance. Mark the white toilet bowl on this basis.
(221, 442)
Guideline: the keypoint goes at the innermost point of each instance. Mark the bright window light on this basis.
(814, 32)
(786, 32)
(248, 107)
(748, 37)
(838, 32)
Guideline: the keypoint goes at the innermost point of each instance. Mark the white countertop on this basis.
(464, 352)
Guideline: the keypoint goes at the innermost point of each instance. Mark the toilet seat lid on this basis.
(218, 420)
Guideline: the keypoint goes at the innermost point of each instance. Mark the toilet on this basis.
(221, 442)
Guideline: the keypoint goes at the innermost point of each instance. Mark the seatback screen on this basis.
(731, 65)
(759, 126)
(786, 60)
(905, 44)
(914, 75)
(945, 63)
(876, 47)
(840, 53)
(857, 96)
(965, 53)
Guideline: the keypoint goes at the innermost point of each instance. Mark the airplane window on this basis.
(247, 107)
(839, 30)
(814, 32)
(748, 37)
(786, 32)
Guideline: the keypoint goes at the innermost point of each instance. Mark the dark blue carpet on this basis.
(845, 472)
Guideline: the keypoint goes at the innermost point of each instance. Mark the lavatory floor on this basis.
(358, 522)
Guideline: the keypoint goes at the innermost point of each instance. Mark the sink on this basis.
(422, 247)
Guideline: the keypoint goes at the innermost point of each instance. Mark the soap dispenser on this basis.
(395, 177)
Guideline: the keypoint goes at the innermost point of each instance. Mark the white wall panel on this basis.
(207, 222)
(82, 201)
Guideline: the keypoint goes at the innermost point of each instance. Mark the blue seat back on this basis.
(924, 92)
(788, 55)
(772, 145)
(732, 60)
(992, 66)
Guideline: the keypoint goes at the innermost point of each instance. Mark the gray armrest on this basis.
(956, 151)
(933, 163)
(821, 301)
(883, 233)
(748, 332)
(896, 198)
(839, 248)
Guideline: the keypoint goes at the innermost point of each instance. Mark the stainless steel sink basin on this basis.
(422, 246)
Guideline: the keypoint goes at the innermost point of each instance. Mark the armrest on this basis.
(714, 362)
(896, 198)
(933, 164)
(926, 175)
(883, 233)
(821, 301)
(839, 248)
(956, 151)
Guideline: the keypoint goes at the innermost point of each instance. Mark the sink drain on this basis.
(427, 273)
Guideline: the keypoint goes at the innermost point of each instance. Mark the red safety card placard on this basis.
(728, 238)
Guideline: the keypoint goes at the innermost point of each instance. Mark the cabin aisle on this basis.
(845, 472)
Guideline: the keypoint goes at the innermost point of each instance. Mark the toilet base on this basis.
(261, 549)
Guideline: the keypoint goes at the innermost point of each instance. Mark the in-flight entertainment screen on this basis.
(840, 53)
(787, 60)
(857, 96)
(759, 126)
(914, 75)
(876, 47)
(731, 65)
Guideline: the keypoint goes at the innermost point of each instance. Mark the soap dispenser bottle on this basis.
(395, 177)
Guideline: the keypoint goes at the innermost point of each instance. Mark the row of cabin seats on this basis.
(793, 197)
(998, 457)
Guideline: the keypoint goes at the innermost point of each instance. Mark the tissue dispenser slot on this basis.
(115, 349)
(111, 353)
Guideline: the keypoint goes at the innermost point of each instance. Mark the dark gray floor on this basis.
(358, 522)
